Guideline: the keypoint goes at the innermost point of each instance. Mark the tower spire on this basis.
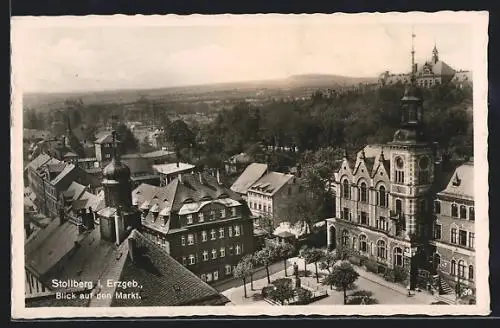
(412, 55)
(115, 147)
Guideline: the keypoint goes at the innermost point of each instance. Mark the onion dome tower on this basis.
(117, 184)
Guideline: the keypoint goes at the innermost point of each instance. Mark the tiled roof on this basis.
(163, 280)
(461, 183)
(250, 175)
(67, 169)
(39, 161)
(172, 168)
(271, 182)
(75, 190)
(105, 138)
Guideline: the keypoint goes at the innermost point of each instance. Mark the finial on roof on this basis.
(381, 157)
(413, 55)
(363, 155)
(456, 180)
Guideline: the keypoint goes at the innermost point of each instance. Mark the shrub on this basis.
(371, 266)
(399, 274)
(304, 295)
(361, 293)
(355, 260)
(389, 275)
(266, 290)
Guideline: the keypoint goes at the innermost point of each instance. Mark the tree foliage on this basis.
(342, 276)
(282, 291)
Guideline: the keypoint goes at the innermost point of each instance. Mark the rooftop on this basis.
(172, 168)
(461, 183)
(250, 175)
(271, 182)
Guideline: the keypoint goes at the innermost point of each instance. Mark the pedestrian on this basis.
(409, 291)
(295, 269)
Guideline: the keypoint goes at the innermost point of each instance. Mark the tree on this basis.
(250, 260)
(303, 254)
(128, 142)
(283, 290)
(313, 255)
(328, 260)
(265, 257)
(180, 135)
(284, 251)
(242, 271)
(342, 276)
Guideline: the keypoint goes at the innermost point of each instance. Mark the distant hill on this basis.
(43, 101)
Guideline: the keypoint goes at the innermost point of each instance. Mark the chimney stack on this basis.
(177, 163)
(131, 248)
(218, 177)
(180, 177)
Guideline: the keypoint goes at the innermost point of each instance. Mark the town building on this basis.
(270, 196)
(384, 202)
(199, 222)
(236, 163)
(170, 171)
(247, 178)
(454, 232)
(81, 253)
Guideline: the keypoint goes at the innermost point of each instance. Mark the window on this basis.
(228, 270)
(223, 213)
(203, 236)
(382, 197)
(437, 207)
(230, 250)
(381, 223)
(363, 245)
(212, 215)
(190, 239)
(437, 231)
(189, 218)
(454, 210)
(453, 235)
(209, 277)
(463, 212)
(222, 252)
(184, 260)
(234, 212)
(191, 259)
(399, 206)
(461, 269)
(381, 250)
(471, 239)
(230, 231)
(216, 275)
(221, 232)
(364, 218)
(453, 268)
(238, 249)
(260, 206)
(183, 241)
(398, 256)
(205, 256)
(471, 213)
(471, 272)
(212, 234)
(345, 238)
(346, 189)
(214, 254)
(462, 238)
(354, 243)
(201, 217)
(345, 213)
(237, 230)
(363, 193)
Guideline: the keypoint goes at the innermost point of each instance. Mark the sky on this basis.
(77, 56)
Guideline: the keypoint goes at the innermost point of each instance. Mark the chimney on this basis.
(90, 222)
(218, 177)
(117, 224)
(131, 248)
(180, 177)
(177, 163)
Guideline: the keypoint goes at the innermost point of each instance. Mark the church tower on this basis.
(119, 214)
(412, 174)
(435, 54)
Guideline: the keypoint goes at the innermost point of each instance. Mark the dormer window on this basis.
(201, 217)
(223, 213)
(189, 218)
(456, 181)
(212, 215)
(190, 239)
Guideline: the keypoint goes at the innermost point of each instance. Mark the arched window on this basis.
(463, 212)
(453, 268)
(454, 210)
(381, 197)
(363, 193)
(381, 250)
(363, 245)
(346, 189)
(345, 237)
(461, 269)
(471, 213)
(437, 206)
(471, 272)
(398, 256)
(437, 261)
(399, 206)
(354, 242)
